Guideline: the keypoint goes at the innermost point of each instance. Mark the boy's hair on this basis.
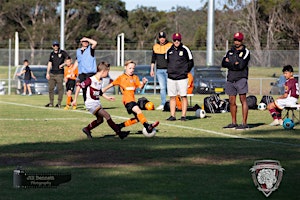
(128, 62)
(25, 61)
(68, 58)
(287, 68)
(103, 66)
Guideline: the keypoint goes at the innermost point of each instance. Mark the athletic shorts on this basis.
(27, 82)
(289, 101)
(237, 87)
(92, 106)
(70, 85)
(177, 87)
(129, 107)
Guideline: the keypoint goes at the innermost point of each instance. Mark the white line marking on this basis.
(40, 119)
(172, 125)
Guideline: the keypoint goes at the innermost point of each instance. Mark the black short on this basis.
(129, 107)
(82, 77)
(70, 85)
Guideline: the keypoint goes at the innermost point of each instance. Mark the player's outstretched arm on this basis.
(107, 87)
(109, 98)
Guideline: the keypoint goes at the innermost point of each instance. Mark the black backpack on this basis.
(267, 99)
(167, 106)
(252, 102)
(142, 102)
(211, 104)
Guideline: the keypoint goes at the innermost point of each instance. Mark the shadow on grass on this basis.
(150, 168)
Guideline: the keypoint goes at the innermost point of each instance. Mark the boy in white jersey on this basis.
(94, 91)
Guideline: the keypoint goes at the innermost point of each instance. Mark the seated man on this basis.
(289, 98)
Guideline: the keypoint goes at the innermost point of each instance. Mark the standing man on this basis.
(86, 61)
(236, 61)
(55, 74)
(158, 57)
(180, 62)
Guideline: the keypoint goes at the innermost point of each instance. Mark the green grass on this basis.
(195, 159)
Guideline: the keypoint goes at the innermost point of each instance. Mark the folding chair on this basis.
(293, 109)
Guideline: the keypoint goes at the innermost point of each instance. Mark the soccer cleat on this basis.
(67, 107)
(74, 107)
(57, 105)
(30, 94)
(87, 132)
(275, 123)
(280, 122)
(23, 94)
(231, 126)
(242, 127)
(49, 105)
(161, 107)
(123, 134)
(171, 118)
(152, 126)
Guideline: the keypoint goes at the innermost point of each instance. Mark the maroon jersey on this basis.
(93, 86)
(291, 87)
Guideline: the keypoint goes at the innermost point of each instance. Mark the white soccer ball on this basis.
(262, 106)
(146, 134)
(200, 113)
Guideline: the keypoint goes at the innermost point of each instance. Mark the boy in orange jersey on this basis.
(128, 83)
(70, 75)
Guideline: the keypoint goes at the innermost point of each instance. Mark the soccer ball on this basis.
(288, 124)
(146, 134)
(262, 106)
(200, 113)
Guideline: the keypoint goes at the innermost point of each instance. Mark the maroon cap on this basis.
(238, 36)
(176, 36)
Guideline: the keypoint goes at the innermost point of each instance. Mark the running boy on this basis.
(290, 96)
(70, 75)
(27, 78)
(128, 83)
(93, 85)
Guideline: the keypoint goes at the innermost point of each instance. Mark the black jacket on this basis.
(240, 70)
(180, 62)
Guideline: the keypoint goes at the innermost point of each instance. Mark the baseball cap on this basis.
(55, 43)
(162, 34)
(238, 36)
(176, 36)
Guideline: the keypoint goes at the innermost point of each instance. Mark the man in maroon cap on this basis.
(236, 61)
(180, 62)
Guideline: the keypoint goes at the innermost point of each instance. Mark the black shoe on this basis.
(242, 127)
(183, 118)
(152, 126)
(171, 118)
(87, 132)
(123, 134)
(231, 126)
(57, 105)
(49, 105)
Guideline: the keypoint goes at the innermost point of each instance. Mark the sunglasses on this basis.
(176, 40)
(55, 45)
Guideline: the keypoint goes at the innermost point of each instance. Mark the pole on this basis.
(16, 49)
(210, 33)
(120, 49)
(9, 66)
(62, 24)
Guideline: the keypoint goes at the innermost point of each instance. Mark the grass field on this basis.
(195, 159)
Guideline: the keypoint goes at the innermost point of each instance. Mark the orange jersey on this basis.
(128, 85)
(70, 73)
(190, 83)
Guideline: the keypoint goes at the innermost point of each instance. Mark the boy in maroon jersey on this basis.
(93, 85)
(289, 98)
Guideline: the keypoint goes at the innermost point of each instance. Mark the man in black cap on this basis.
(158, 58)
(55, 74)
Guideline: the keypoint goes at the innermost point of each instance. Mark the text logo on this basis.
(267, 175)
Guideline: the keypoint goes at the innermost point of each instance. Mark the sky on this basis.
(164, 5)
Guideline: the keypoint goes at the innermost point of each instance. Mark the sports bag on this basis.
(142, 102)
(267, 99)
(211, 104)
(252, 102)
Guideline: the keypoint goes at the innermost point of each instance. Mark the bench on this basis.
(292, 109)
